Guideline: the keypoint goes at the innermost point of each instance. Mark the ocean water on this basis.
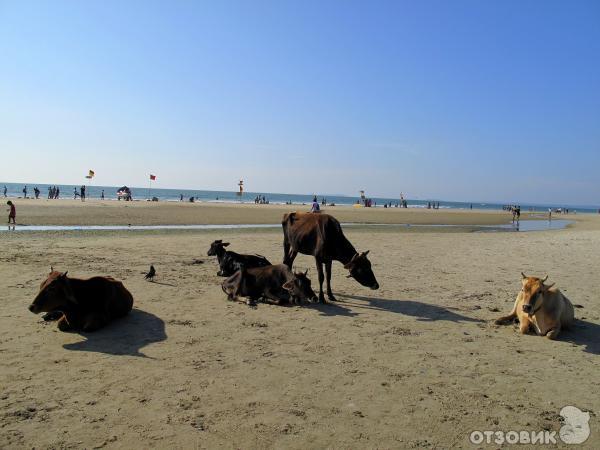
(144, 193)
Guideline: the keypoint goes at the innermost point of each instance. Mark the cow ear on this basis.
(225, 244)
(289, 285)
(548, 286)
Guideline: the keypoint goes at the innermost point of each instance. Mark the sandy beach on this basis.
(415, 364)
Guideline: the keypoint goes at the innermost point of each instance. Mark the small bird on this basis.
(151, 274)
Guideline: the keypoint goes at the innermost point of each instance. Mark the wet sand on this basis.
(417, 363)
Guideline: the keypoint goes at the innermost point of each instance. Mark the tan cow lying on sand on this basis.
(540, 307)
(85, 305)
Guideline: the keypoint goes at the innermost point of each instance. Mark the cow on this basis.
(86, 305)
(321, 236)
(274, 283)
(540, 307)
(230, 262)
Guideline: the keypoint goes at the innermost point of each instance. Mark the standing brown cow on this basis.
(86, 305)
(321, 236)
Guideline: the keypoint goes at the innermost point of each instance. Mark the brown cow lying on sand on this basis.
(86, 305)
(540, 307)
(276, 283)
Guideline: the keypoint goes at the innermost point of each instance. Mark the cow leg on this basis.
(524, 325)
(63, 324)
(93, 322)
(328, 273)
(289, 257)
(321, 278)
(276, 297)
(553, 333)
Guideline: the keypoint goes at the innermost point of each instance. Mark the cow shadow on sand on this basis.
(584, 334)
(422, 311)
(126, 336)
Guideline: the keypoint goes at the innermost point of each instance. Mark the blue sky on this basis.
(456, 100)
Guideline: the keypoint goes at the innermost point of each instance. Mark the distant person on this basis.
(315, 208)
(12, 212)
(549, 213)
(56, 192)
(180, 197)
(36, 192)
(82, 195)
(75, 193)
(471, 205)
(5, 190)
(25, 192)
(102, 195)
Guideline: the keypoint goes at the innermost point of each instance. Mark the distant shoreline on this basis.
(230, 197)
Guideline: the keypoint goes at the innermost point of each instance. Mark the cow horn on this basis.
(544, 279)
(51, 269)
(64, 275)
(366, 253)
(305, 272)
(523, 275)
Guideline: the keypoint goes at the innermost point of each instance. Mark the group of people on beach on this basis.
(53, 192)
(261, 200)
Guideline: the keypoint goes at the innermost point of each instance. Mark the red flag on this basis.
(153, 177)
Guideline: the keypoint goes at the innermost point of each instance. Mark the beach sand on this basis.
(96, 212)
(417, 363)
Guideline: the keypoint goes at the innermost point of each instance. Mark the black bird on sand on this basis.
(151, 274)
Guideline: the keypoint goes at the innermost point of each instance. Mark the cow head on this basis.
(55, 294)
(533, 291)
(299, 288)
(217, 247)
(360, 269)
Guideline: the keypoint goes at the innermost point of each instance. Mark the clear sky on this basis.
(455, 100)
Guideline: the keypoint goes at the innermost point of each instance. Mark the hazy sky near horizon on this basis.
(454, 100)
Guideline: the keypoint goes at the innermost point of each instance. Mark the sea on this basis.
(15, 190)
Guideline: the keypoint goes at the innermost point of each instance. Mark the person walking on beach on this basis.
(12, 212)
(25, 192)
(75, 193)
(5, 191)
(57, 192)
(102, 195)
(82, 195)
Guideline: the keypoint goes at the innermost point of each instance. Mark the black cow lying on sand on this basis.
(230, 262)
(275, 283)
(86, 305)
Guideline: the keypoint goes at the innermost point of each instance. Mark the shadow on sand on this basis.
(422, 311)
(124, 336)
(585, 334)
(330, 309)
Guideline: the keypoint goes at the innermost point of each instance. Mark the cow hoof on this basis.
(331, 298)
(53, 315)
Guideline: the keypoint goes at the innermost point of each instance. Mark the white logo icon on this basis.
(576, 429)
